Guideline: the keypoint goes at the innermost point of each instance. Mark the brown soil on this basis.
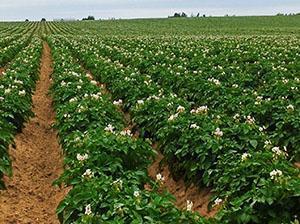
(297, 164)
(199, 197)
(37, 162)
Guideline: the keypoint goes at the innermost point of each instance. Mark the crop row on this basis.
(242, 77)
(105, 165)
(251, 175)
(9, 52)
(16, 87)
(11, 45)
(17, 29)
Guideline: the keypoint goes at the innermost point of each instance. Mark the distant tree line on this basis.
(89, 18)
(184, 15)
(287, 14)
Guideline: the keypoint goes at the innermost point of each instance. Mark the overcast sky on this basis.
(36, 9)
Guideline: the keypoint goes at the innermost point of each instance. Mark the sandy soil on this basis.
(199, 197)
(37, 162)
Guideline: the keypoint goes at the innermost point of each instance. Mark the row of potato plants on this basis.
(10, 50)
(6, 40)
(237, 76)
(252, 178)
(17, 84)
(16, 29)
(105, 165)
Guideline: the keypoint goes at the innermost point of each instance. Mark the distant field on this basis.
(182, 121)
(270, 25)
(250, 25)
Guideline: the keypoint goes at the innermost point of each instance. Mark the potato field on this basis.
(184, 121)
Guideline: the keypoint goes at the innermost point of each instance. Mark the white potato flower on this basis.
(218, 132)
(180, 109)
(189, 205)
(160, 177)
(200, 110)
(88, 174)
(236, 116)
(141, 102)
(94, 82)
(109, 128)
(81, 158)
(89, 76)
(136, 194)
(118, 102)
(126, 132)
(88, 210)
(290, 108)
(7, 91)
(275, 174)
(73, 100)
(172, 117)
(118, 184)
(250, 120)
(22, 93)
(217, 202)
(194, 126)
(245, 156)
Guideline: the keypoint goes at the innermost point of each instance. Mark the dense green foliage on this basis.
(206, 106)
(16, 87)
(106, 166)
(219, 96)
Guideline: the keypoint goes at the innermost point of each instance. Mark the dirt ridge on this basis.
(182, 193)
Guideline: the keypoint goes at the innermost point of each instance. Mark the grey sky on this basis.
(36, 9)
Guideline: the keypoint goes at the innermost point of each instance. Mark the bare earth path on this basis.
(37, 162)
(199, 196)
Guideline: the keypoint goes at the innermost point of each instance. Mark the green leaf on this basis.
(253, 143)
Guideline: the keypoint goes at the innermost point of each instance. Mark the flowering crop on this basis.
(104, 163)
(223, 110)
(16, 87)
(209, 100)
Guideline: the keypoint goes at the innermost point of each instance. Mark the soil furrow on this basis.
(37, 162)
(199, 196)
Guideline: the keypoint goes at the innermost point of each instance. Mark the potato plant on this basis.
(17, 84)
(245, 107)
(104, 163)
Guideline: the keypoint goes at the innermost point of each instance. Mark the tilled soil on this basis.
(37, 162)
(182, 193)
